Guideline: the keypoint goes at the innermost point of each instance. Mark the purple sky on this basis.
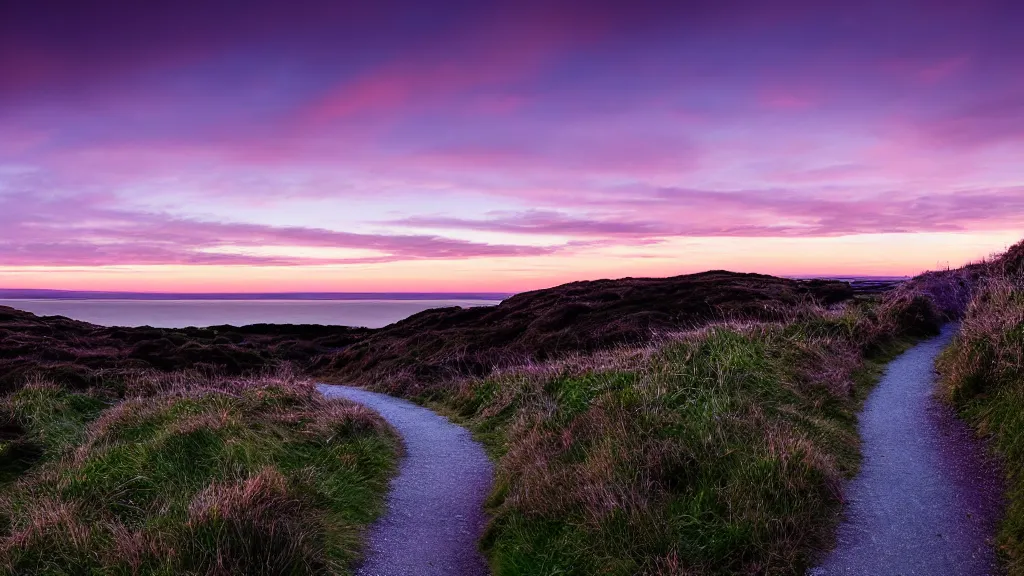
(327, 145)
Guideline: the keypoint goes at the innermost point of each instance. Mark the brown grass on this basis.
(983, 378)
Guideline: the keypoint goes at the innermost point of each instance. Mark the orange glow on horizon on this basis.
(870, 255)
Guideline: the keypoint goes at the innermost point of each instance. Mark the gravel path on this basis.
(434, 512)
(925, 501)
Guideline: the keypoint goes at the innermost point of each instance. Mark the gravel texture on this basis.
(926, 500)
(435, 513)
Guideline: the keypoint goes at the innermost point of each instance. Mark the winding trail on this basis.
(435, 511)
(926, 500)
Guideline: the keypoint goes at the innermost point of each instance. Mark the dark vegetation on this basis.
(431, 346)
(79, 355)
(693, 425)
(983, 377)
(581, 317)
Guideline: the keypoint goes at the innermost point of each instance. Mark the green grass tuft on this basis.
(263, 477)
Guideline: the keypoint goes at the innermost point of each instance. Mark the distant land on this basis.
(36, 294)
(859, 282)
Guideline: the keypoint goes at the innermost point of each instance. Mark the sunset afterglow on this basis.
(221, 146)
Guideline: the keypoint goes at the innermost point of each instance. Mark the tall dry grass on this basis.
(983, 378)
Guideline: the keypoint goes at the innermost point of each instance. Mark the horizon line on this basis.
(57, 294)
(63, 294)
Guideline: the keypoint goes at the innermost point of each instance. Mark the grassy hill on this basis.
(145, 451)
(693, 425)
(576, 318)
(80, 355)
(700, 424)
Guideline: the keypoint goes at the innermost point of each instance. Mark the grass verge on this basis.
(983, 378)
(718, 451)
(258, 476)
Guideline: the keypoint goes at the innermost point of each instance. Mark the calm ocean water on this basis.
(182, 313)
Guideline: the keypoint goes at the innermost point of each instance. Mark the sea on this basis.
(180, 311)
(362, 309)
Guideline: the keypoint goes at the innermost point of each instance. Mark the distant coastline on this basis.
(48, 294)
(39, 294)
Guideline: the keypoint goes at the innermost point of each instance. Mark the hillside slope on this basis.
(79, 355)
(983, 378)
(581, 317)
(698, 424)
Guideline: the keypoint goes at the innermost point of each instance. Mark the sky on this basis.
(323, 145)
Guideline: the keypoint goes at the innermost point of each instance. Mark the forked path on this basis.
(926, 500)
(435, 515)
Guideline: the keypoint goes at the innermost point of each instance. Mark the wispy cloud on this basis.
(677, 212)
(542, 223)
(196, 133)
(78, 231)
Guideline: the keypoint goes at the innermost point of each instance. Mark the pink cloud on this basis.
(383, 90)
(500, 53)
(608, 123)
(944, 69)
(668, 212)
(83, 231)
(542, 222)
(826, 174)
(789, 99)
(988, 121)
